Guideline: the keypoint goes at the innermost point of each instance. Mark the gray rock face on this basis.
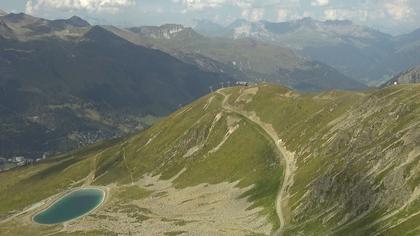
(5, 30)
(2, 13)
(409, 77)
(168, 31)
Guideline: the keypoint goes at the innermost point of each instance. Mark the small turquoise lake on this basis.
(71, 206)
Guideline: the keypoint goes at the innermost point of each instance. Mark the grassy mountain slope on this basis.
(355, 159)
(190, 162)
(343, 164)
(72, 92)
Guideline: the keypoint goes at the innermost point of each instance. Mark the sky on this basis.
(390, 16)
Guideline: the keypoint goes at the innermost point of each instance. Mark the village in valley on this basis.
(18, 161)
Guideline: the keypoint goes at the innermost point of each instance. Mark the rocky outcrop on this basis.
(409, 77)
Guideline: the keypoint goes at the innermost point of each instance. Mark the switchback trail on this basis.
(287, 155)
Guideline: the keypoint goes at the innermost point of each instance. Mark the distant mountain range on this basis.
(359, 52)
(65, 84)
(243, 59)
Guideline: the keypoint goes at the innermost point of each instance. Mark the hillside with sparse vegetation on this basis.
(256, 160)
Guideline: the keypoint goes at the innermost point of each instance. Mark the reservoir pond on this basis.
(71, 206)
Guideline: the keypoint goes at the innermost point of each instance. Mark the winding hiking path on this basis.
(287, 155)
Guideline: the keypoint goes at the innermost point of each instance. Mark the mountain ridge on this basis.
(76, 92)
(411, 76)
(166, 31)
(2, 12)
(26, 27)
(243, 59)
(359, 52)
(334, 26)
(354, 154)
(257, 61)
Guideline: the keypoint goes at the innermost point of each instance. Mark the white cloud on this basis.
(202, 4)
(320, 2)
(291, 14)
(351, 14)
(337, 14)
(112, 6)
(253, 14)
(282, 15)
(399, 10)
(29, 7)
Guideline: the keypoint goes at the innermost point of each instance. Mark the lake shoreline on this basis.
(62, 195)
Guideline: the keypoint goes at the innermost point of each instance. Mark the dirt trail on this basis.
(127, 166)
(288, 156)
